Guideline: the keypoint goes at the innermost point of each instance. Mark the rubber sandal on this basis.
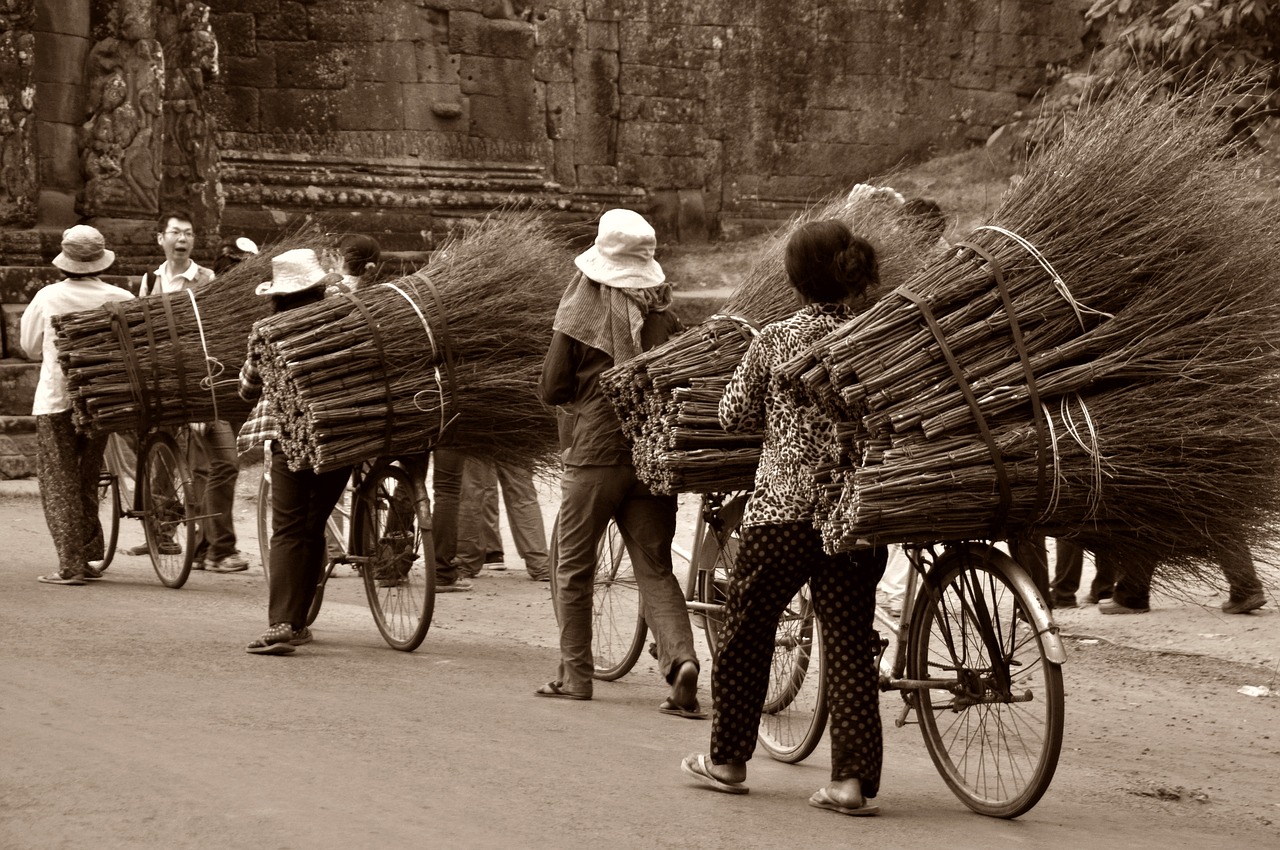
(275, 641)
(556, 690)
(822, 800)
(59, 578)
(302, 637)
(696, 766)
(693, 712)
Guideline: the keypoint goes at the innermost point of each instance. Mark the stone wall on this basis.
(713, 116)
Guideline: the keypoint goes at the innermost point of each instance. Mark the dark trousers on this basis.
(214, 478)
(774, 562)
(300, 504)
(67, 466)
(1068, 569)
(446, 493)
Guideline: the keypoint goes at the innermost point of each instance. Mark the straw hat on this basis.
(238, 248)
(83, 251)
(296, 270)
(622, 255)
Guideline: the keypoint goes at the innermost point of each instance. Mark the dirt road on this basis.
(130, 717)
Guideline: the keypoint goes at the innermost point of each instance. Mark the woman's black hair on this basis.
(826, 263)
(281, 303)
(926, 210)
(360, 253)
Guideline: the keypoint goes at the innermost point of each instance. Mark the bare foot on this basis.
(846, 792)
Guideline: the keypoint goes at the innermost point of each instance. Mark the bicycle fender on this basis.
(1041, 618)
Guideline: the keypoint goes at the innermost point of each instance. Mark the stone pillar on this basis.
(19, 183)
(191, 162)
(122, 141)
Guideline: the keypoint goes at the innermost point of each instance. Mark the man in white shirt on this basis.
(67, 462)
(215, 475)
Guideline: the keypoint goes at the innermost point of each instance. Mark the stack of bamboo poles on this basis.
(167, 359)
(1136, 407)
(449, 355)
(666, 398)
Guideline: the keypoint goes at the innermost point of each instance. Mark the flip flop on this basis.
(822, 800)
(556, 690)
(259, 648)
(693, 712)
(696, 766)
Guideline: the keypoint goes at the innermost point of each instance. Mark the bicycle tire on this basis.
(167, 505)
(396, 554)
(971, 625)
(794, 714)
(108, 516)
(618, 627)
(265, 520)
(317, 598)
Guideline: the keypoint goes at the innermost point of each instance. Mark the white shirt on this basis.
(195, 275)
(66, 296)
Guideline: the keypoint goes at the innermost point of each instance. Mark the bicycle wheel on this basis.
(995, 732)
(108, 515)
(395, 554)
(617, 615)
(264, 520)
(795, 705)
(716, 555)
(168, 505)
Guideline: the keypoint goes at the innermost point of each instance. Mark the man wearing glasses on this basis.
(215, 475)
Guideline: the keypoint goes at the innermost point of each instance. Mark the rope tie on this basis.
(206, 382)
(1091, 449)
(446, 345)
(1058, 283)
(743, 325)
(435, 356)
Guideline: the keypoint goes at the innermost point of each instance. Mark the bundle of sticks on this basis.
(448, 355)
(1100, 361)
(167, 359)
(666, 398)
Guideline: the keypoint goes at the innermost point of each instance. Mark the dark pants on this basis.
(773, 563)
(67, 466)
(446, 493)
(1133, 589)
(214, 477)
(300, 504)
(1068, 569)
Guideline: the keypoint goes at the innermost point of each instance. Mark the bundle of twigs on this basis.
(666, 398)
(1125, 390)
(451, 354)
(167, 359)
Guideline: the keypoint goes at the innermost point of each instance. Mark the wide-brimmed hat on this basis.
(84, 251)
(622, 255)
(296, 270)
(238, 248)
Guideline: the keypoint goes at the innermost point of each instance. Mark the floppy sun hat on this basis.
(295, 270)
(622, 255)
(83, 251)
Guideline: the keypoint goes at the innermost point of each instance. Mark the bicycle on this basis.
(980, 664)
(387, 542)
(163, 498)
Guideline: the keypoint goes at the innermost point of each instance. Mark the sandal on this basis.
(556, 689)
(276, 640)
(301, 637)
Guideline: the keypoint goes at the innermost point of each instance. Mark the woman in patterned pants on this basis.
(781, 549)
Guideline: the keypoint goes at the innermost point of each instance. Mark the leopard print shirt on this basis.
(798, 436)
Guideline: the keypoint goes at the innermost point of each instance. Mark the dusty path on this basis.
(130, 717)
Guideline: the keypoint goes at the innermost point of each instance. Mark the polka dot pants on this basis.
(773, 563)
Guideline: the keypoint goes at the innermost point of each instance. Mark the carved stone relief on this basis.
(122, 142)
(190, 174)
(19, 183)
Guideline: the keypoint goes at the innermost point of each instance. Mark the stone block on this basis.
(19, 283)
(664, 215)
(506, 39)
(693, 224)
(718, 12)
(369, 106)
(495, 77)
(597, 175)
(60, 58)
(509, 117)
(553, 66)
(313, 65)
(11, 330)
(252, 7)
(602, 35)
(434, 106)
(17, 457)
(382, 61)
(288, 23)
(604, 10)
(662, 110)
(670, 45)
(596, 137)
(662, 172)
(464, 32)
(561, 29)
(235, 108)
(17, 387)
(435, 64)
(59, 147)
(237, 34)
(641, 137)
(647, 81)
(62, 103)
(258, 71)
(70, 17)
(564, 163)
(295, 111)
(597, 73)
(559, 101)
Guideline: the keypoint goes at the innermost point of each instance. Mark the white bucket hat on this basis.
(83, 251)
(295, 270)
(622, 255)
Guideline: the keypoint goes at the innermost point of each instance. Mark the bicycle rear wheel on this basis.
(108, 515)
(795, 706)
(995, 735)
(395, 555)
(168, 504)
(617, 614)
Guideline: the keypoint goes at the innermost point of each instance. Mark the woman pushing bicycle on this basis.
(781, 549)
